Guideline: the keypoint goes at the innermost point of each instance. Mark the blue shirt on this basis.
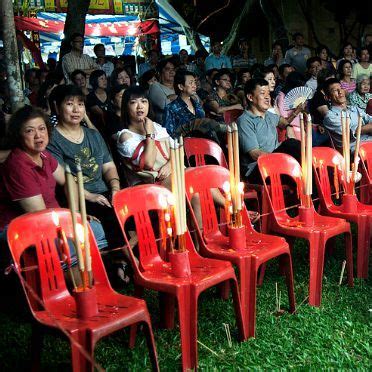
(332, 122)
(177, 114)
(212, 61)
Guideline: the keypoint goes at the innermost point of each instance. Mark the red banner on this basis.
(91, 29)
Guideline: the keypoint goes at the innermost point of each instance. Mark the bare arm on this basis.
(322, 110)
(32, 204)
(214, 107)
(3, 155)
(367, 129)
(110, 174)
(254, 154)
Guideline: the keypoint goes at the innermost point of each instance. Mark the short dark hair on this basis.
(282, 67)
(327, 85)
(115, 73)
(219, 75)
(63, 92)
(359, 51)
(323, 75)
(180, 78)
(311, 60)
(132, 92)
(320, 48)
(161, 65)
(261, 72)
(251, 85)
(145, 77)
(116, 89)
(77, 72)
(98, 46)
(94, 76)
(296, 35)
(19, 119)
(75, 35)
(241, 72)
(210, 72)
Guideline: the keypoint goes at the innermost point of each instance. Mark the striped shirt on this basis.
(72, 61)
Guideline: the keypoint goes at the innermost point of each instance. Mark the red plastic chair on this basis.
(259, 248)
(231, 115)
(323, 159)
(273, 166)
(199, 148)
(155, 273)
(365, 154)
(116, 311)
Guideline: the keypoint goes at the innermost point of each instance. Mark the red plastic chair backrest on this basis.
(365, 153)
(38, 230)
(273, 166)
(231, 115)
(136, 202)
(323, 159)
(201, 180)
(200, 147)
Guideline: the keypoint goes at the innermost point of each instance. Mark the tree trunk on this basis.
(75, 22)
(11, 55)
(229, 41)
(276, 22)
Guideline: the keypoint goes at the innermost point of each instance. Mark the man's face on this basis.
(183, 56)
(337, 94)
(260, 98)
(299, 41)
(216, 48)
(243, 46)
(77, 44)
(100, 51)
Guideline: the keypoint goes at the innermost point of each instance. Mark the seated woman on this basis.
(72, 142)
(243, 76)
(344, 72)
(97, 100)
(220, 100)
(361, 95)
(143, 144)
(30, 173)
(120, 76)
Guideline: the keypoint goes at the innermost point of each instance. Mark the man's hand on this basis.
(164, 171)
(97, 198)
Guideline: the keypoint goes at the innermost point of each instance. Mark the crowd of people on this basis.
(114, 122)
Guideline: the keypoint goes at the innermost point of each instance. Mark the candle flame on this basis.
(55, 218)
(80, 232)
(336, 160)
(163, 201)
(167, 217)
(241, 187)
(226, 187)
(169, 231)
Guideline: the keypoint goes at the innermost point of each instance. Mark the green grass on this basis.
(335, 336)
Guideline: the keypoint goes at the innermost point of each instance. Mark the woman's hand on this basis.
(164, 171)
(238, 106)
(97, 198)
(92, 218)
(148, 126)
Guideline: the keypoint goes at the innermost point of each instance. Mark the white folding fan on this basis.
(297, 96)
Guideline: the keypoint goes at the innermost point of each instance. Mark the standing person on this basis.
(344, 71)
(332, 120)
(276, 57)
(105, 65)
(76, 59)
(244, 59)
(185, 108)
(72, 142)
(299, 54)
(161, 93)
(257, 131)
(363, 67)
(216, 59)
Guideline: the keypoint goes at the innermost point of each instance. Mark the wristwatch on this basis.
(150, 135)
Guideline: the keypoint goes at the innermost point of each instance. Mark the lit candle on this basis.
(226, 188)
(80, 254)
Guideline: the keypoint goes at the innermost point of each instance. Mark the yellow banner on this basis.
(50, 4)
(94, 4)
(118, 6)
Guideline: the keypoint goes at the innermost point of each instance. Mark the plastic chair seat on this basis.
(324, 158)
(275, 165)
(154, 273)
(259, 247)
(115, 311)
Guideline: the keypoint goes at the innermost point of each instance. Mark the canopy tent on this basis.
(110, 30)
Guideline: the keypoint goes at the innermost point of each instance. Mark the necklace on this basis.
(74, 139)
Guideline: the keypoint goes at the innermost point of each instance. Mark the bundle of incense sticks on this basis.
(234, 190)
(350, 169)
(306, 158)
(178, 190)
(81, 237)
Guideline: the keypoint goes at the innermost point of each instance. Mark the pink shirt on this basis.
(349, 87)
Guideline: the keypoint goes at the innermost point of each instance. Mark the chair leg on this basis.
(138, 292)
(167, 310)
(224, 289)
(151, 344)
(80, 362)
(287, 265)
(317, 248)
(349, 259)
(239, 307)
(261, 274)
(184, 313)
(364, 241)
